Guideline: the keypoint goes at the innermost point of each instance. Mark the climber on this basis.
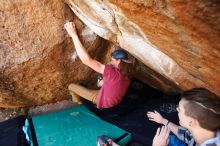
(116, 75)
(199, 117)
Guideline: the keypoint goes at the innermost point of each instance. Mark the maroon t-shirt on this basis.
(114, 87)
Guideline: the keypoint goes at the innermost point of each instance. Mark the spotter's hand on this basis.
(155, 116)
(161, 137)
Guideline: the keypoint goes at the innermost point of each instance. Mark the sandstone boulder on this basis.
(176, 44)
(177, 39)
(36, 60)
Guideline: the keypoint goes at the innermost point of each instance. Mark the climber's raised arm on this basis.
(81, 51)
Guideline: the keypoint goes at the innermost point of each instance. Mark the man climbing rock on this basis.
(116, 75)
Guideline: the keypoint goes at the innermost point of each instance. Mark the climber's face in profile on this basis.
(115, 62)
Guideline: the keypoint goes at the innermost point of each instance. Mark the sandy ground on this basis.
(51, 107)
(6, 114)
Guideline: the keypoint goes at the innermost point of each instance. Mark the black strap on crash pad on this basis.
(33, 134)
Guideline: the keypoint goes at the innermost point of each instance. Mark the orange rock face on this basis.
(35, 54)
(176, 41)
(186, 31)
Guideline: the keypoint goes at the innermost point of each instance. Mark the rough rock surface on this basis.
(177, 39)
(36, 63)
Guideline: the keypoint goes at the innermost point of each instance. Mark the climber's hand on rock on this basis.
(70, 28)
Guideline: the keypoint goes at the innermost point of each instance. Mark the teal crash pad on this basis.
(76, 126)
